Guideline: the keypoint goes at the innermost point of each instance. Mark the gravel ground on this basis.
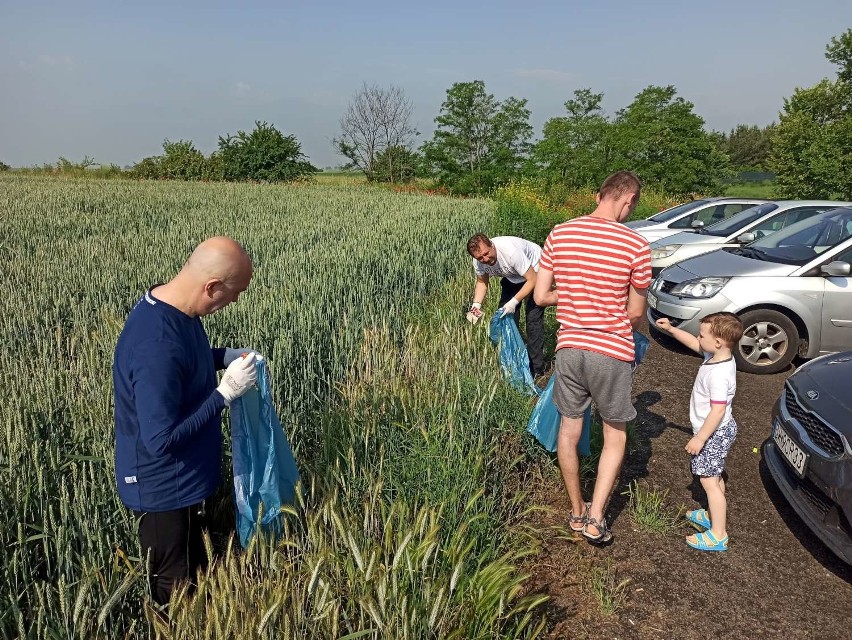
(776, 580)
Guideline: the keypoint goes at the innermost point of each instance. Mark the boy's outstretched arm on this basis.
(684, 337)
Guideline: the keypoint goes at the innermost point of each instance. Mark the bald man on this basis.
(168, 408)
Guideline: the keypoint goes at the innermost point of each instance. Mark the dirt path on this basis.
(777, 580)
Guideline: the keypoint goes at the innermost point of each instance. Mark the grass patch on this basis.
(764, 190)
(649, 510)
(603, 585)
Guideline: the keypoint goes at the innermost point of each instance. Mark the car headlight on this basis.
(658, 253)
(699, 287)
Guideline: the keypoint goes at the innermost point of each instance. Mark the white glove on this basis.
(233, 354)
(510, 307)
(239, 377)
(475, 313)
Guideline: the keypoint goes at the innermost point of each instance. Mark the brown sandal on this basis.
(581, 520)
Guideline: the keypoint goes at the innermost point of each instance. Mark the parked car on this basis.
(748, 225)
(792, 290)
(808, 453)
(695, 214)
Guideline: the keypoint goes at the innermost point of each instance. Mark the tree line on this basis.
(481, 143)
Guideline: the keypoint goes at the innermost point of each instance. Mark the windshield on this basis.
(674, 212)
(738, 221)
(804, 240)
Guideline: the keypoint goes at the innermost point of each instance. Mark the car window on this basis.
(674, 212)
(773, 224)
(784, 219)
(802, 241)
(731, 209)
(686, 221)
(709, 215)
(834, 233)
(843, 256)
(741, 219)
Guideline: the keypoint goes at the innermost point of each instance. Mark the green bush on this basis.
(180, 161)
(65, 168)
(396, 164)
(4, 166)
(265, 154)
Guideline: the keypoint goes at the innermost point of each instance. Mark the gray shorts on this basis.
(583, 376)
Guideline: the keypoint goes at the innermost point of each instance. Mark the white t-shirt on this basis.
(716, 383)
(514, 258)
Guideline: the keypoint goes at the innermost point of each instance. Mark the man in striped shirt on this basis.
(601, 271)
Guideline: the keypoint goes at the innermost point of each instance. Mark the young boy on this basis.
(713, 427)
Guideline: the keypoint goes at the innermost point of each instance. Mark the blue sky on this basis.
(113, 79)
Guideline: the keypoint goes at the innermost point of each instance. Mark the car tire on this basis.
(770, 342)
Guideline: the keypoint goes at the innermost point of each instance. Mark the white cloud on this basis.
(56, 61)
(553, 76)
(62, 61)
(242, 88)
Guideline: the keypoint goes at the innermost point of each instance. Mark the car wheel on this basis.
(769, 343)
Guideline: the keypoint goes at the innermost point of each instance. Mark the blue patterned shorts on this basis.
(710, 461)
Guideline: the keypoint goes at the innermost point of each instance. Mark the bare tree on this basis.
(376, 121)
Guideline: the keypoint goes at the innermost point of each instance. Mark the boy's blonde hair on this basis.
(725, 326)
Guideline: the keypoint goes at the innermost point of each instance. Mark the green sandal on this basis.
(706, 541)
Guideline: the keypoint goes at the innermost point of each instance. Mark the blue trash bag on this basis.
(514, 360)
(265, 472)
(640, 346)
(545, 419)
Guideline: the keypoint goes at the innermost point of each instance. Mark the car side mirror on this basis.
(745, 238)
(836, 268)
(697, 224)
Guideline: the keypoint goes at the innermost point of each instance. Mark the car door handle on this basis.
(841, 323)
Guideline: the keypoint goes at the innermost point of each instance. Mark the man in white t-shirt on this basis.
(515, 262)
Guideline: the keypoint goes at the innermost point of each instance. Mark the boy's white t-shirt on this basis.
(716, 382)
(514, 258)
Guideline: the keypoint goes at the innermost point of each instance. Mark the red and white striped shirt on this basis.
(594, 261)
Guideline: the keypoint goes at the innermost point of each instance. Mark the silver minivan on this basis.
(749, 225)
(690, 215)
(792, 290)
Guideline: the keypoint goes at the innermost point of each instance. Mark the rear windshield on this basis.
(804, 240)
(674, 212)
(739, 220)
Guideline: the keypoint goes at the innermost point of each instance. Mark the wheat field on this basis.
(406, 439)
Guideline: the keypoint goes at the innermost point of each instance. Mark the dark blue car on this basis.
(809, 454)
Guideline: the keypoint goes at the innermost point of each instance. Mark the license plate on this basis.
(652, 301)
(793, 453)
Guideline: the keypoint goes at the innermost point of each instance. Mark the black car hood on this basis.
(830, 378)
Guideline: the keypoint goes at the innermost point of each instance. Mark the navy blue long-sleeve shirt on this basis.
(168, 436)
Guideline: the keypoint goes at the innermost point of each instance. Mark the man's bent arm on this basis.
(637, 302)
(157, 386)
(530, 276)
(543, 294)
